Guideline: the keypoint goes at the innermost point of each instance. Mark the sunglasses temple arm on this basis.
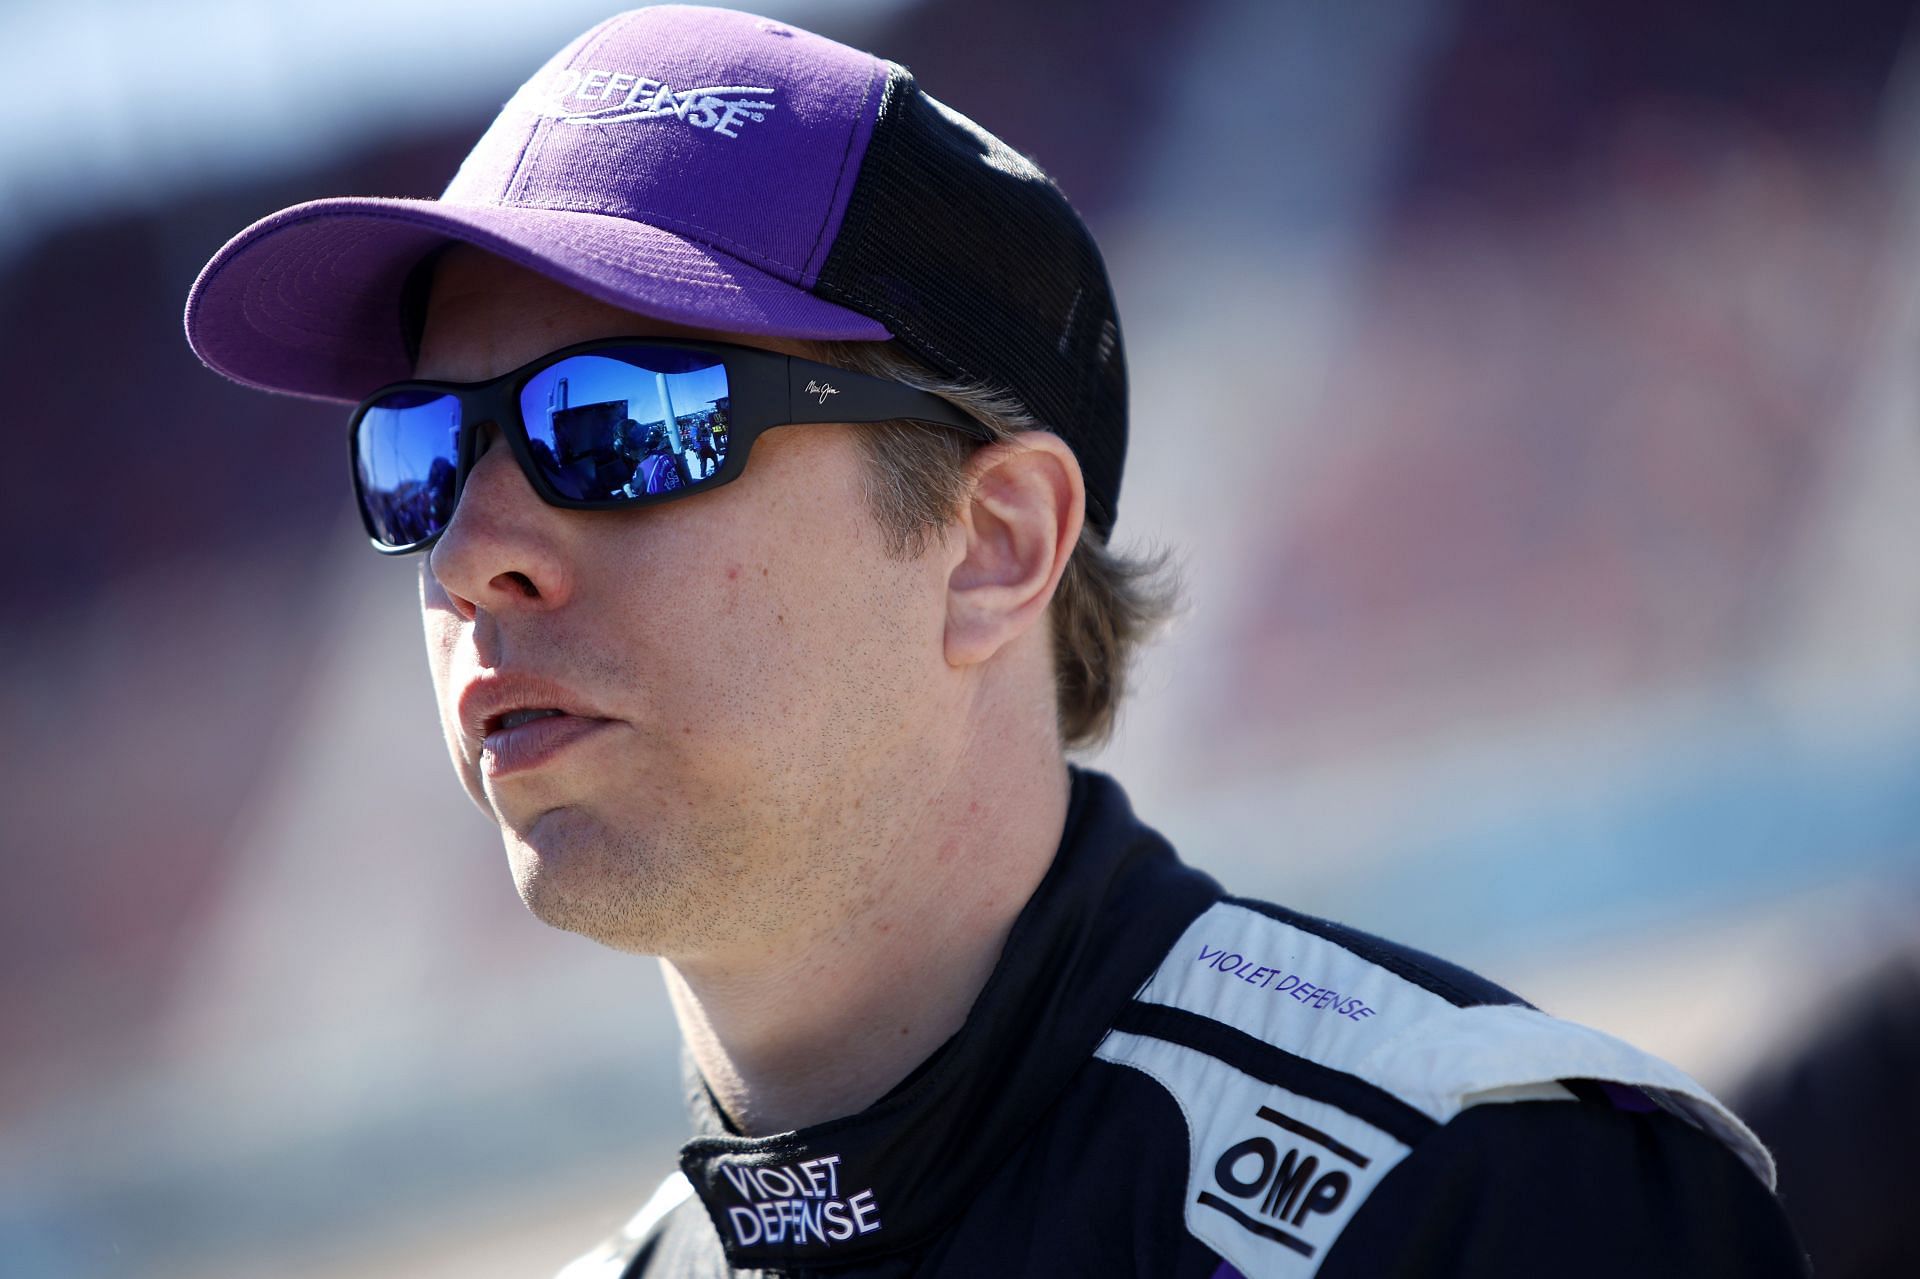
(821, 393)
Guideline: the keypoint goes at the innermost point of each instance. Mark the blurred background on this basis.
(1529, 392)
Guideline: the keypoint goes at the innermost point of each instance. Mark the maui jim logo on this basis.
(822, 389)
(721, 109)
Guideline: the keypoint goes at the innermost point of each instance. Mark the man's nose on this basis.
(504, 548)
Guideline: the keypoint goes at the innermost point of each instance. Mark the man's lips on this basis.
(519, 720)
(515, 748)
(489, 700)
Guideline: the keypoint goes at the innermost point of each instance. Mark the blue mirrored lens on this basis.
(406, 449)
(628, 423)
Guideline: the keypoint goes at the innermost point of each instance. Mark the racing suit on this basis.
(1161, 1080)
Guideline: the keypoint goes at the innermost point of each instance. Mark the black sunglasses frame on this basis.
(767, 389)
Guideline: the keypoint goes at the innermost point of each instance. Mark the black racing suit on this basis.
(1159, 1080)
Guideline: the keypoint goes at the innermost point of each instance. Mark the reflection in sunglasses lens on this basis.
(405, 449)
(628, 423)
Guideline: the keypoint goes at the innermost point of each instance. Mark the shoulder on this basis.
(1310, 1061)
(1578, 1190)
(629, 1252)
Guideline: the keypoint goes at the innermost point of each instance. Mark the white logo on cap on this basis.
(722, 108)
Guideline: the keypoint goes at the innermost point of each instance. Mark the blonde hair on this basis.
(1107, 606)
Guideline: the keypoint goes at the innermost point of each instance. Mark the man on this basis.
(949, 1007)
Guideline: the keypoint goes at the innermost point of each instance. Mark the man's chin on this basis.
(637, 881)
(575, 875)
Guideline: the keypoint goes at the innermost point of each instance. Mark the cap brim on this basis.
(308, 301)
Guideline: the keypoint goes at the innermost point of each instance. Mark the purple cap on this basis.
(689, 164)
(724, 171)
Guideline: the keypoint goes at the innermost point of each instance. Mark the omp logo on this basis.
(795, 1203)
(1270, 1182)
(568, 97)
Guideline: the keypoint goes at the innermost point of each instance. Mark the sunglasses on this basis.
(604, 426)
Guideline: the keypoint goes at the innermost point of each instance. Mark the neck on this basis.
(822, 1022)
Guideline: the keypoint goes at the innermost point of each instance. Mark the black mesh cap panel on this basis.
(981, 268)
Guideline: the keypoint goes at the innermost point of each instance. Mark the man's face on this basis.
(768, 679)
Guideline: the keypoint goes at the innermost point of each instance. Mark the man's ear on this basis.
(1021, 520)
